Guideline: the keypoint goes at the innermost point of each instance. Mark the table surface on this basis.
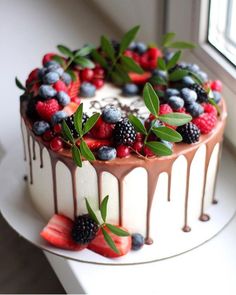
(212, 264)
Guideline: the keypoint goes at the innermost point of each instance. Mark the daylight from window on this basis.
(222, 27)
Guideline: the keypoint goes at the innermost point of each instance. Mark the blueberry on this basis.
(187, 81)
(203, 76)
(195, 109)
(55, 68)
(42, 72)
(189, 96)
(167, 144)
(176, 102)
(63, 98)
(52, 63)
(183, 64)
(193, 68)
(87, 89)
(47, 91)
(66, 78)
(172, 92)
(39, 127)
(160, 73)
(58, 117)
(141, 47)
(216, 96)
(132, 46)
(51, 78)
(106, 153)
(168, 56)
(137, 241)
(130, 89)
(111, 114)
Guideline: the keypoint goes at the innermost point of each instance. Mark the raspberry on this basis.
(73, 89)
(209, 108)
(181, 110)
(190, 133)
(205, 122)
(124, 133)
(216, 85)
(102, 130)
(165, 109)
(47, 109)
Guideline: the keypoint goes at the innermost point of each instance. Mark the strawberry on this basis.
(47, 108)
(205, 122)
(71, 108)
(74, 86)
(47, 57)
(100, 246)
(60, 86)
(76, 100)
(102, 130)
(139, 78)
(95, 144)
(58, 233)
(148, 60)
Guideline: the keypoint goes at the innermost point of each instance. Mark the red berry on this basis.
(95, 144)
(138, 146)
(87, 74)
(60, 86)
(47, 108)
(76, 99)
(33, 76)
(136, 57)
(122, 151)
(47, 57)
(216, 85)
(209, 108)
(139, 137)
(148, 152)
(56, 144)
(99, 73)
(181, 110)
(102, 130)
(165, 109)
(139, 78)
(98, 83)
(74, 86)
(144, 61)
(57, 128)
(128, 53)
(205, 122)
(48, 135)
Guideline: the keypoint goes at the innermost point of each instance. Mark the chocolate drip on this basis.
(30, 159)
(23, 139)
(41, 156)
(54, 181)
(34, 153)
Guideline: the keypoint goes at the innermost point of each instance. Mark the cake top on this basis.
(120, 98)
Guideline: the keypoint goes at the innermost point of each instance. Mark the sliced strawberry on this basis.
(95, 144)
(71, 108)
(58, 233)
(139, 78)
(74, 86)
(100, 246)
(102, 130)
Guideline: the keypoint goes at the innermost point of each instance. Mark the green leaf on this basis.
(109, 241)
(99, 58)
(76, 155)
(84, 62)
(65, 50)
(66, 132)
(173, 61)
(155, 80)
(211, 101)
(59, 60)
(178, 75)
(138, 125)
(19, 84)
(161, 64)
(175, 119)
(159, 148)
(117, 231)
(85, 151)
(123, 74)
(167, 133)
(181, 45)
(84, 51)
(91, 122)
(107, 47)
(167, 38)
(72, 74)
(91, 212)
(103, 208)
(131, 65)
(151, 99)
(116, 78)
(128, 38)
(196, 77)
(78, 119)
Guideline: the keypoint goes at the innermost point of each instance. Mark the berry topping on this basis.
(48, 57)
(60, 86)
(111, 114)
(73, 88)
(139, 78)
(189, 96)
(58, 117)
(56, 144)
(165, 109)
(58, 233)
(130, 89)
(137, 241)
(71, 108)
(47, 109)
(187, 81)
(106, 153)
(148, 152)
(209, 108)
(201, 93)
(217, 96)
(172, 92)
(190, 133)
(47, 91)
(63, 98)
(87, 89)
(95, 144)
(206, 122)
(39, 127)
(102, 130)
(138, 146)
(124, 133)
(51, 78)
(216, 85)
(48, 135)
(66, 78)
(99, 73)
(87, 75)
(176, 102)
(70, 123)
(123, 151)
(98, 83)
(194, 109)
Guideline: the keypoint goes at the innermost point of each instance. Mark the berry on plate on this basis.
(137, 241)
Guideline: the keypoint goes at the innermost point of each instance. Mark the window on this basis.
(222, 27)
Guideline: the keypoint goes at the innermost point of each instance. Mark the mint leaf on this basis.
(151, 99)
(103, 208)
(173, 61)
(107, 47)
(76, 155)
(161, 64)
(109, 241)
(181, 45)
(85, 151)
(84, 51)
(99, 58)
(91, 122)
(167, 133)
(131, 65)
(84, 62)
(91, 212)
(127, 39)
(159, 148)
(122, 73)
(138, 125)
(155, 80)
(196, 77)
(167, 38)
(116, 78)
(19, 84)
(117, 231)
(78, 119)
(59, 60)
(72, 74)
(178, 75)
(65, 50)
(66, 132)
(175, 119)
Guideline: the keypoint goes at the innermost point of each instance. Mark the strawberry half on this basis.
(100, 246)
(102, 130)
(95, 144)
(139, 78)
(58, 233)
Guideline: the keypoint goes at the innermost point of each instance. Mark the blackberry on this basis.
(84, 229)
(176, 67)
(70, 123)
(201, 93)
(124, 133)
(190, 132)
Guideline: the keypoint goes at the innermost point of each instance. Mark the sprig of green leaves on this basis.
(104, 225)
(168, 42)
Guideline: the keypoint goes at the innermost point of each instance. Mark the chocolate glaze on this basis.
(23, 139)
(122, 167)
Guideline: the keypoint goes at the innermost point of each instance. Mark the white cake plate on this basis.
(20, 214)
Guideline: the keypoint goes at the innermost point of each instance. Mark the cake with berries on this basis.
(124, 122)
